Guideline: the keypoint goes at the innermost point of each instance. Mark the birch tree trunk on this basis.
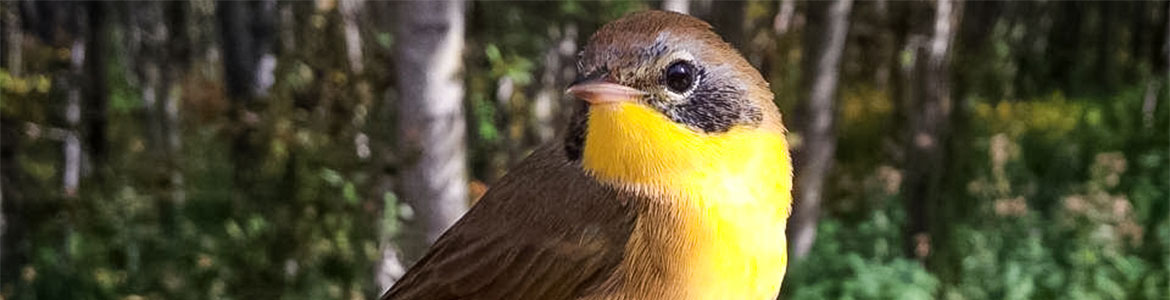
(783, 19)
(557, 71)
(929, 113)
(349, 10)
(71, 145)
(431, 125)
(825, 43)
(680, 6)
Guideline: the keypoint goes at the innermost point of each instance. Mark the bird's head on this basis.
(662, 93)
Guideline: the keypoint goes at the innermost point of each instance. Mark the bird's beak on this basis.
(603, 92)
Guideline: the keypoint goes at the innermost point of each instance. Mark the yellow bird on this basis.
(672, 181)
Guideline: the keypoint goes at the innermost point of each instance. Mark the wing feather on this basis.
(545, 231)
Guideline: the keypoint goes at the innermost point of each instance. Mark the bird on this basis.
(671, 180)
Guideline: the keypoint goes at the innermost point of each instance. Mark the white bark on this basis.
(783, 20)
(940, 41)
(828, 29)
(557, 72)
(71, 174)
(680, 6)
(431, 125)
(388, 270)
(349, 10)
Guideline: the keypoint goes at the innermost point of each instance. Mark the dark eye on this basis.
(680, 76)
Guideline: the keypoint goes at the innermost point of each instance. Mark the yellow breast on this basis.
(724, 198)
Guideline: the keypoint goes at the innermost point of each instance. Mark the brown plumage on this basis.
(545, 231)
(572, 221)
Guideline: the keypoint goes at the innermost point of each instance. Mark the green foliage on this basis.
(1063, 213)
(859, 261)
(32, 89)
(1070, 203)
(516, 68)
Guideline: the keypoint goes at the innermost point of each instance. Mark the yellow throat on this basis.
(724, 199)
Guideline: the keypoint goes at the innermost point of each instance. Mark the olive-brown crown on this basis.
(686, 70)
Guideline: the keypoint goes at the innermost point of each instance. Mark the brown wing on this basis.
(545, 231)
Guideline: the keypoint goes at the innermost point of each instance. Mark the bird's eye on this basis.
(680, 76)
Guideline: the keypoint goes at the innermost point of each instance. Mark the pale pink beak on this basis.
(601, 92)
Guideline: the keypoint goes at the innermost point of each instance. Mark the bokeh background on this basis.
(311, 149)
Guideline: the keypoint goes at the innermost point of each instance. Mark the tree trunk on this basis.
(13, 39)
(431, 126)
(728, 19)
(557, 71)
(97, 87)
(156, 66)
(11, 47)
(71, 145)
(11, 214)
(247, 31)
(825, 42)
(783, 20)
(929, 111)
(680, 6)
(172, 102)
(13, 35)
(7, 157)
(886, 46)
(349, 10)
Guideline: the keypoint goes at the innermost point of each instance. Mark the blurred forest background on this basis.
(311, 149)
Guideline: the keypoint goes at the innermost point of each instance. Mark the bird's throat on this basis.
(721, 199)
(634, 146)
